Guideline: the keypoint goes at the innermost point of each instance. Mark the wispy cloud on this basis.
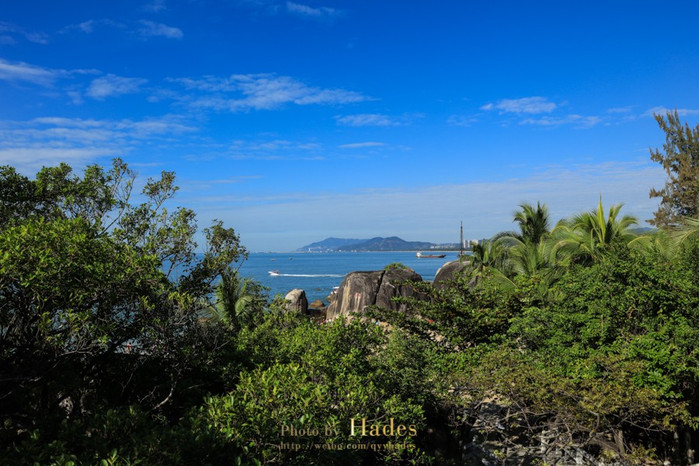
(199, 185)
(261, 92)
(660, 110)
(461, 120)
(30, 159)
(531, 105)
(112, 85)
(620, 110)
(234, 180)
(577, 121)
(11, 32)
(24, 72)
(110, 129)
(20, 72)
(367, 119)
(362, 145)
(274, 149)
(153, 29)
(311, 12)
(144, 28)
(435, 211)
(155, 6)
(540, 111)
(45, 141)
(91, 25)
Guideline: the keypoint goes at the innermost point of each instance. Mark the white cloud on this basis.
(20, 72)
(261, 92)
(12, 30)
(367, 119)
(234, 180)
(461, 120)
(532, 105)
(621, 110)
(73, 128)
(112, 85)
(24, 72)
(89, 26)
(305, 10)
(362, 145)
(660, 110)
(155, 6)
(30, 159)
(48, 140)
(578, 121)
(153, 29)
(274, 149)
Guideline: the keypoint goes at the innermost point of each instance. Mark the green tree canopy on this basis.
(90, 319)
(680, 159)
(586, 236)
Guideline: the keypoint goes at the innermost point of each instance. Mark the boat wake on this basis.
(277, 274)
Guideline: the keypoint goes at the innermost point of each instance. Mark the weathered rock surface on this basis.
(317, 304)
(447, 272)
(362, 289)
(296, 301)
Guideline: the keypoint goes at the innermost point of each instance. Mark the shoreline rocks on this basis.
(448, 272)
(296, 301)
(360, 290)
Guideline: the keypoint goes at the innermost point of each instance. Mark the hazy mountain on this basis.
(330, 244)
(386, 244)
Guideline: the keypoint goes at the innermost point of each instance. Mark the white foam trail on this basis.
(305, 275)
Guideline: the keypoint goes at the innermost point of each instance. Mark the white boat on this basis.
(421, 255)
(274, 273)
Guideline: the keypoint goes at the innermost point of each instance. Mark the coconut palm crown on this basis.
(237, 299)
(533, 222)
(587, 235)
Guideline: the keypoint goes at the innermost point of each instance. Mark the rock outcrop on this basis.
(317, 304)
(447, 272)
(362, 289)
(296, 301)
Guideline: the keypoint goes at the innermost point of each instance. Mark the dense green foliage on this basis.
(594, 348)
(679, 198)
(119, 345)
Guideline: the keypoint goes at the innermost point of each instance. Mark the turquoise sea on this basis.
(318, 273)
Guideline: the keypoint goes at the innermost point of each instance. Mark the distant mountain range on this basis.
(393, 243)
(330, 244)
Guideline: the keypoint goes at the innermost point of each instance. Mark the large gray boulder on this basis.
(448, 272)
(362, 289)
(296, 301)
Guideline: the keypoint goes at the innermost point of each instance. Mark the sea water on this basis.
(318, 273)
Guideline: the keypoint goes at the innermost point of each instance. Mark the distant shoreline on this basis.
(446, 251)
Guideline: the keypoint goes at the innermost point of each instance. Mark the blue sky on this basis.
(295, 121)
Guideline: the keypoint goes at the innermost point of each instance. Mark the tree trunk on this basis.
(619, 441)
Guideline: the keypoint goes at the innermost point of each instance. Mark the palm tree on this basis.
(667, 244)
(237, 300)
(489, 259)
(532, 259)
(534, 224)
(585, 237)
(688, 229)
(529, 251)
